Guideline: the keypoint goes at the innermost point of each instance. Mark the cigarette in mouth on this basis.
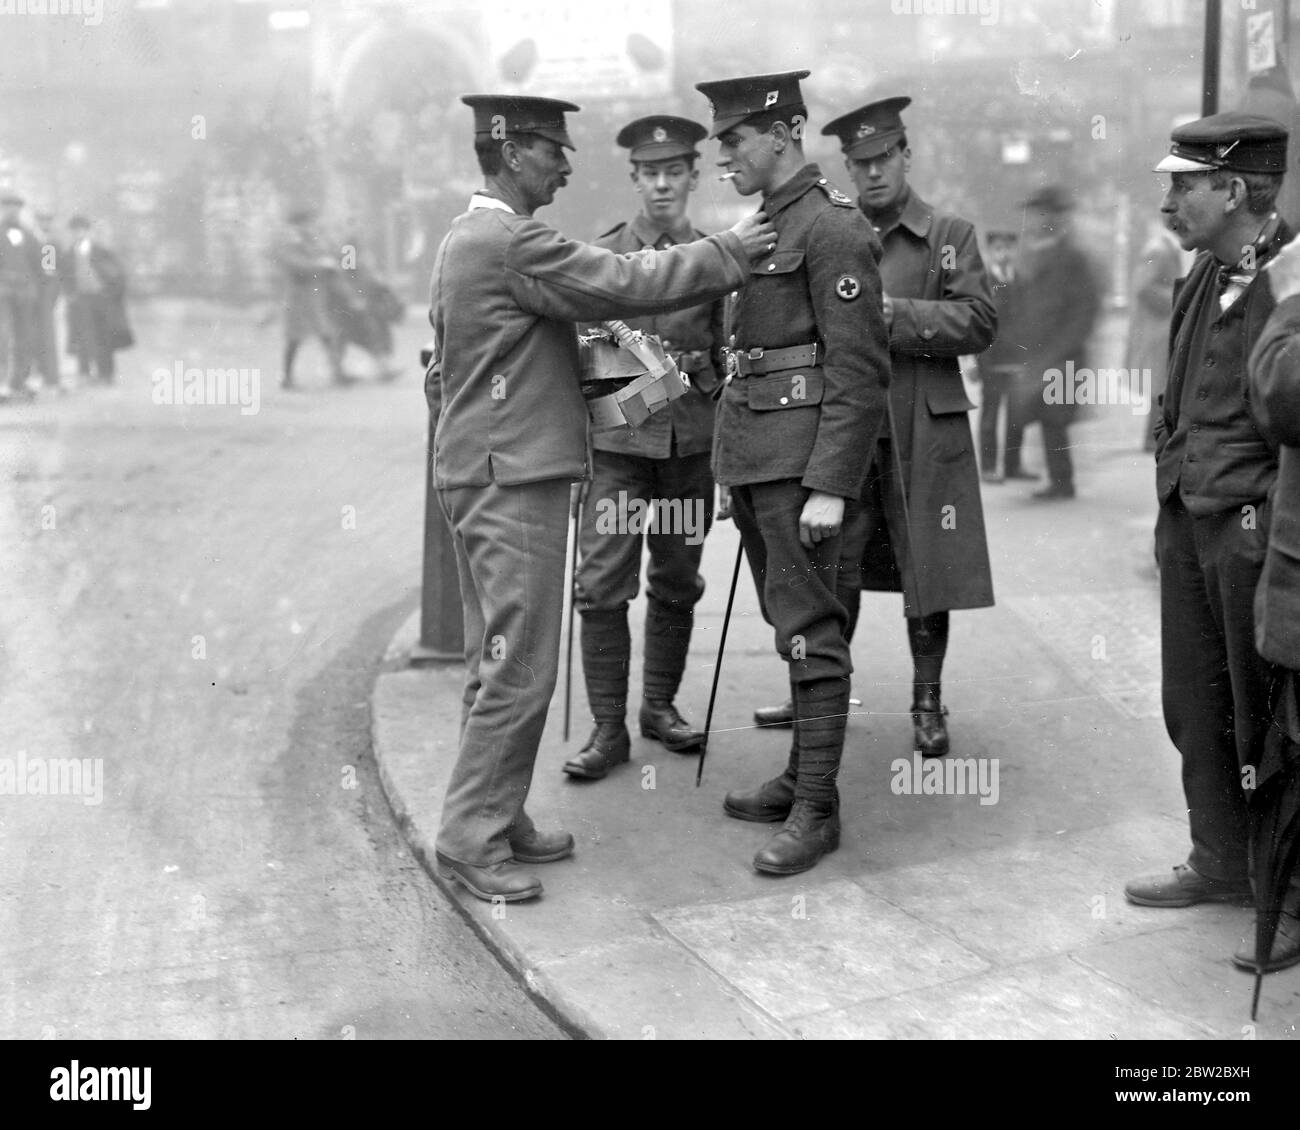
(726, 176)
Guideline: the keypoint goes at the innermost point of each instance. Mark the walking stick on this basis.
(717, 667)
(573, 593)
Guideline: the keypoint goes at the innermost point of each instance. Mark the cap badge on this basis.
(772, 96)
(848, 288)
(660, 134)
(866, 129)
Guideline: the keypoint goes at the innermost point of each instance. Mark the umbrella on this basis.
(1275, 824)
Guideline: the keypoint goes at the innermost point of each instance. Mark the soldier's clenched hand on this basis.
(757, 234)
(822, 517)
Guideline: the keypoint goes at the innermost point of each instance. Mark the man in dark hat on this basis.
(1215, 467)
(95, 284)
(313, 291)
(662, 466)
(1062, 300)
(20, 285)
(510, 438)
(1001, 367)
(922, 534)
(805, 401)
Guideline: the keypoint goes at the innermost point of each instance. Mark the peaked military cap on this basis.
(870, 130)
(1241, 143)
(661, 137)
(732, 100)
(499, 114)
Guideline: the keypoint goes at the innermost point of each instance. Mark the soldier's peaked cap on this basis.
(871, 129)
(499, 114)
(661, 137)
(1240, 143)
(735, 99)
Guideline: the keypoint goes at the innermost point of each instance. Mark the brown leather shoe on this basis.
(661, 722)
(505, 881)
(541, 847)
(929, 727)
(767, 804)
(609, 745)
(782, 715)
(1184, 886)
(810, 832)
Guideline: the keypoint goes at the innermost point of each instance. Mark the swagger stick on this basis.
(717, 667)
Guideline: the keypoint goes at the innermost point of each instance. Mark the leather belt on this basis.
(756, 362)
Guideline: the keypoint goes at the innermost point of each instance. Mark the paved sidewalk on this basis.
(940, 916)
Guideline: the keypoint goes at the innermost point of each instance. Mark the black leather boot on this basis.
(782, 715)
(812, 828)
(928, 639)
(811, 831)
(609, 745)
(768, 803)
(660, 721)
(929, 727)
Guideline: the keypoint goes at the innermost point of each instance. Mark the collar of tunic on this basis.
(650, 234)
(915, 215)
(481, 200)
(792, 190)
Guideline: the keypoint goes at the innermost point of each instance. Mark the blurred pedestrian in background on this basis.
(365, 308)
(313, 292)
(1160, 264)
(1215, 470)
(665, 462)
(1062, 300)
(95, 284)
(46, 338)
(21, 279)
(1001, 367)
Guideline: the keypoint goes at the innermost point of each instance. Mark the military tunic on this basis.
(784, 433)
(663, 462)
(510, 436)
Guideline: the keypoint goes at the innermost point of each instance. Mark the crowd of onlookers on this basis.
(37, 268)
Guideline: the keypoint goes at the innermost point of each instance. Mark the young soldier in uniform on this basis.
(663, 464)
(804, 403)
(511, 436)
(925, 535)
(1215, 467)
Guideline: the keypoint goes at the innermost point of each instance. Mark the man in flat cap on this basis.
(21, 278)
(1215, 466)
(510, 438)
(1062, 300)
(923, 535)
(662, 466)
(804, 404)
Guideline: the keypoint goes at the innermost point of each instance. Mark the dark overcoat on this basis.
(1275, 395)
(943, 309)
